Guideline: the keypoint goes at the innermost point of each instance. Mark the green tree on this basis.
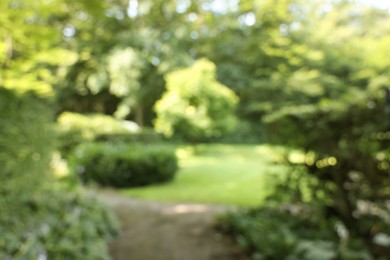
(92, 84)
(195, 106)
(333, 109)
(37, 211)
(124, 67)
(248, 66)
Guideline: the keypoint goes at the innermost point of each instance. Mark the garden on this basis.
(273, 115)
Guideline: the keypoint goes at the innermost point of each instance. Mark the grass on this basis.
(218, 174)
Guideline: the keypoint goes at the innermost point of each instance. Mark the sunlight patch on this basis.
(183, 209)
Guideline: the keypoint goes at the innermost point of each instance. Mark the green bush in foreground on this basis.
(120, 165)
(58, 224)
(38, 217)
(275, 233)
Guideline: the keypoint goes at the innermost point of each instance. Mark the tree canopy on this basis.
(195, 106)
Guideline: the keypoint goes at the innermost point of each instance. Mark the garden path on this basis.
(168, 231)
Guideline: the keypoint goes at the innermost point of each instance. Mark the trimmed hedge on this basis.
(120, 165)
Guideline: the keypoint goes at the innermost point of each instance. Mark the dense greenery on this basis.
(40, 216)
(339, 122)
(195, 109)
(75, 129)
(289, 233)
(121, 165)
(310, 76)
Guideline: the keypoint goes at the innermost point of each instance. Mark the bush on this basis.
(74, 129)
(37, 216)
(121, 165)
(26, 143)
(289, 233)
(345, 147)
(77, 228)
(58, 224)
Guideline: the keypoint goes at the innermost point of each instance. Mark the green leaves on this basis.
(276, 233)
(195, 105)
(38, 216)
(332, 107)
(121, 165)
(124, 66)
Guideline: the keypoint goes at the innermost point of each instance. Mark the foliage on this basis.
(346, 154)
(121, 165)
(79, 227)
(38, 217)
(116, 71)
(248, 66)
(27, 53)
(26, 141)
(124, 69)
(289, 233)
(74, 128)
(341, 126)
(245, 132)
(312, 74)
(195, 106)
(108, 87)
(58, 224)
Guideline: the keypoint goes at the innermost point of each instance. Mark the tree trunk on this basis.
(344, 205)
(139, 116)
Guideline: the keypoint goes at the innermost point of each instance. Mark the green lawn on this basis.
(218, 174)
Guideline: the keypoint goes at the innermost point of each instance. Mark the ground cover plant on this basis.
(290, 232)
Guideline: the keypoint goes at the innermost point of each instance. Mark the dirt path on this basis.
(167, 231)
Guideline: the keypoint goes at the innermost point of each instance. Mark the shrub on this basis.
(26, 142)
(121, 165)
(37, 216)
(78, 227)
(345, 147)
(58, 224)
(276, 233)
(74, 128)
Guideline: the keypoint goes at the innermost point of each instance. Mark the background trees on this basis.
(196, 106)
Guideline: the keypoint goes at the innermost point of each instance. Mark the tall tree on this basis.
(196, 106)
(333, 109)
